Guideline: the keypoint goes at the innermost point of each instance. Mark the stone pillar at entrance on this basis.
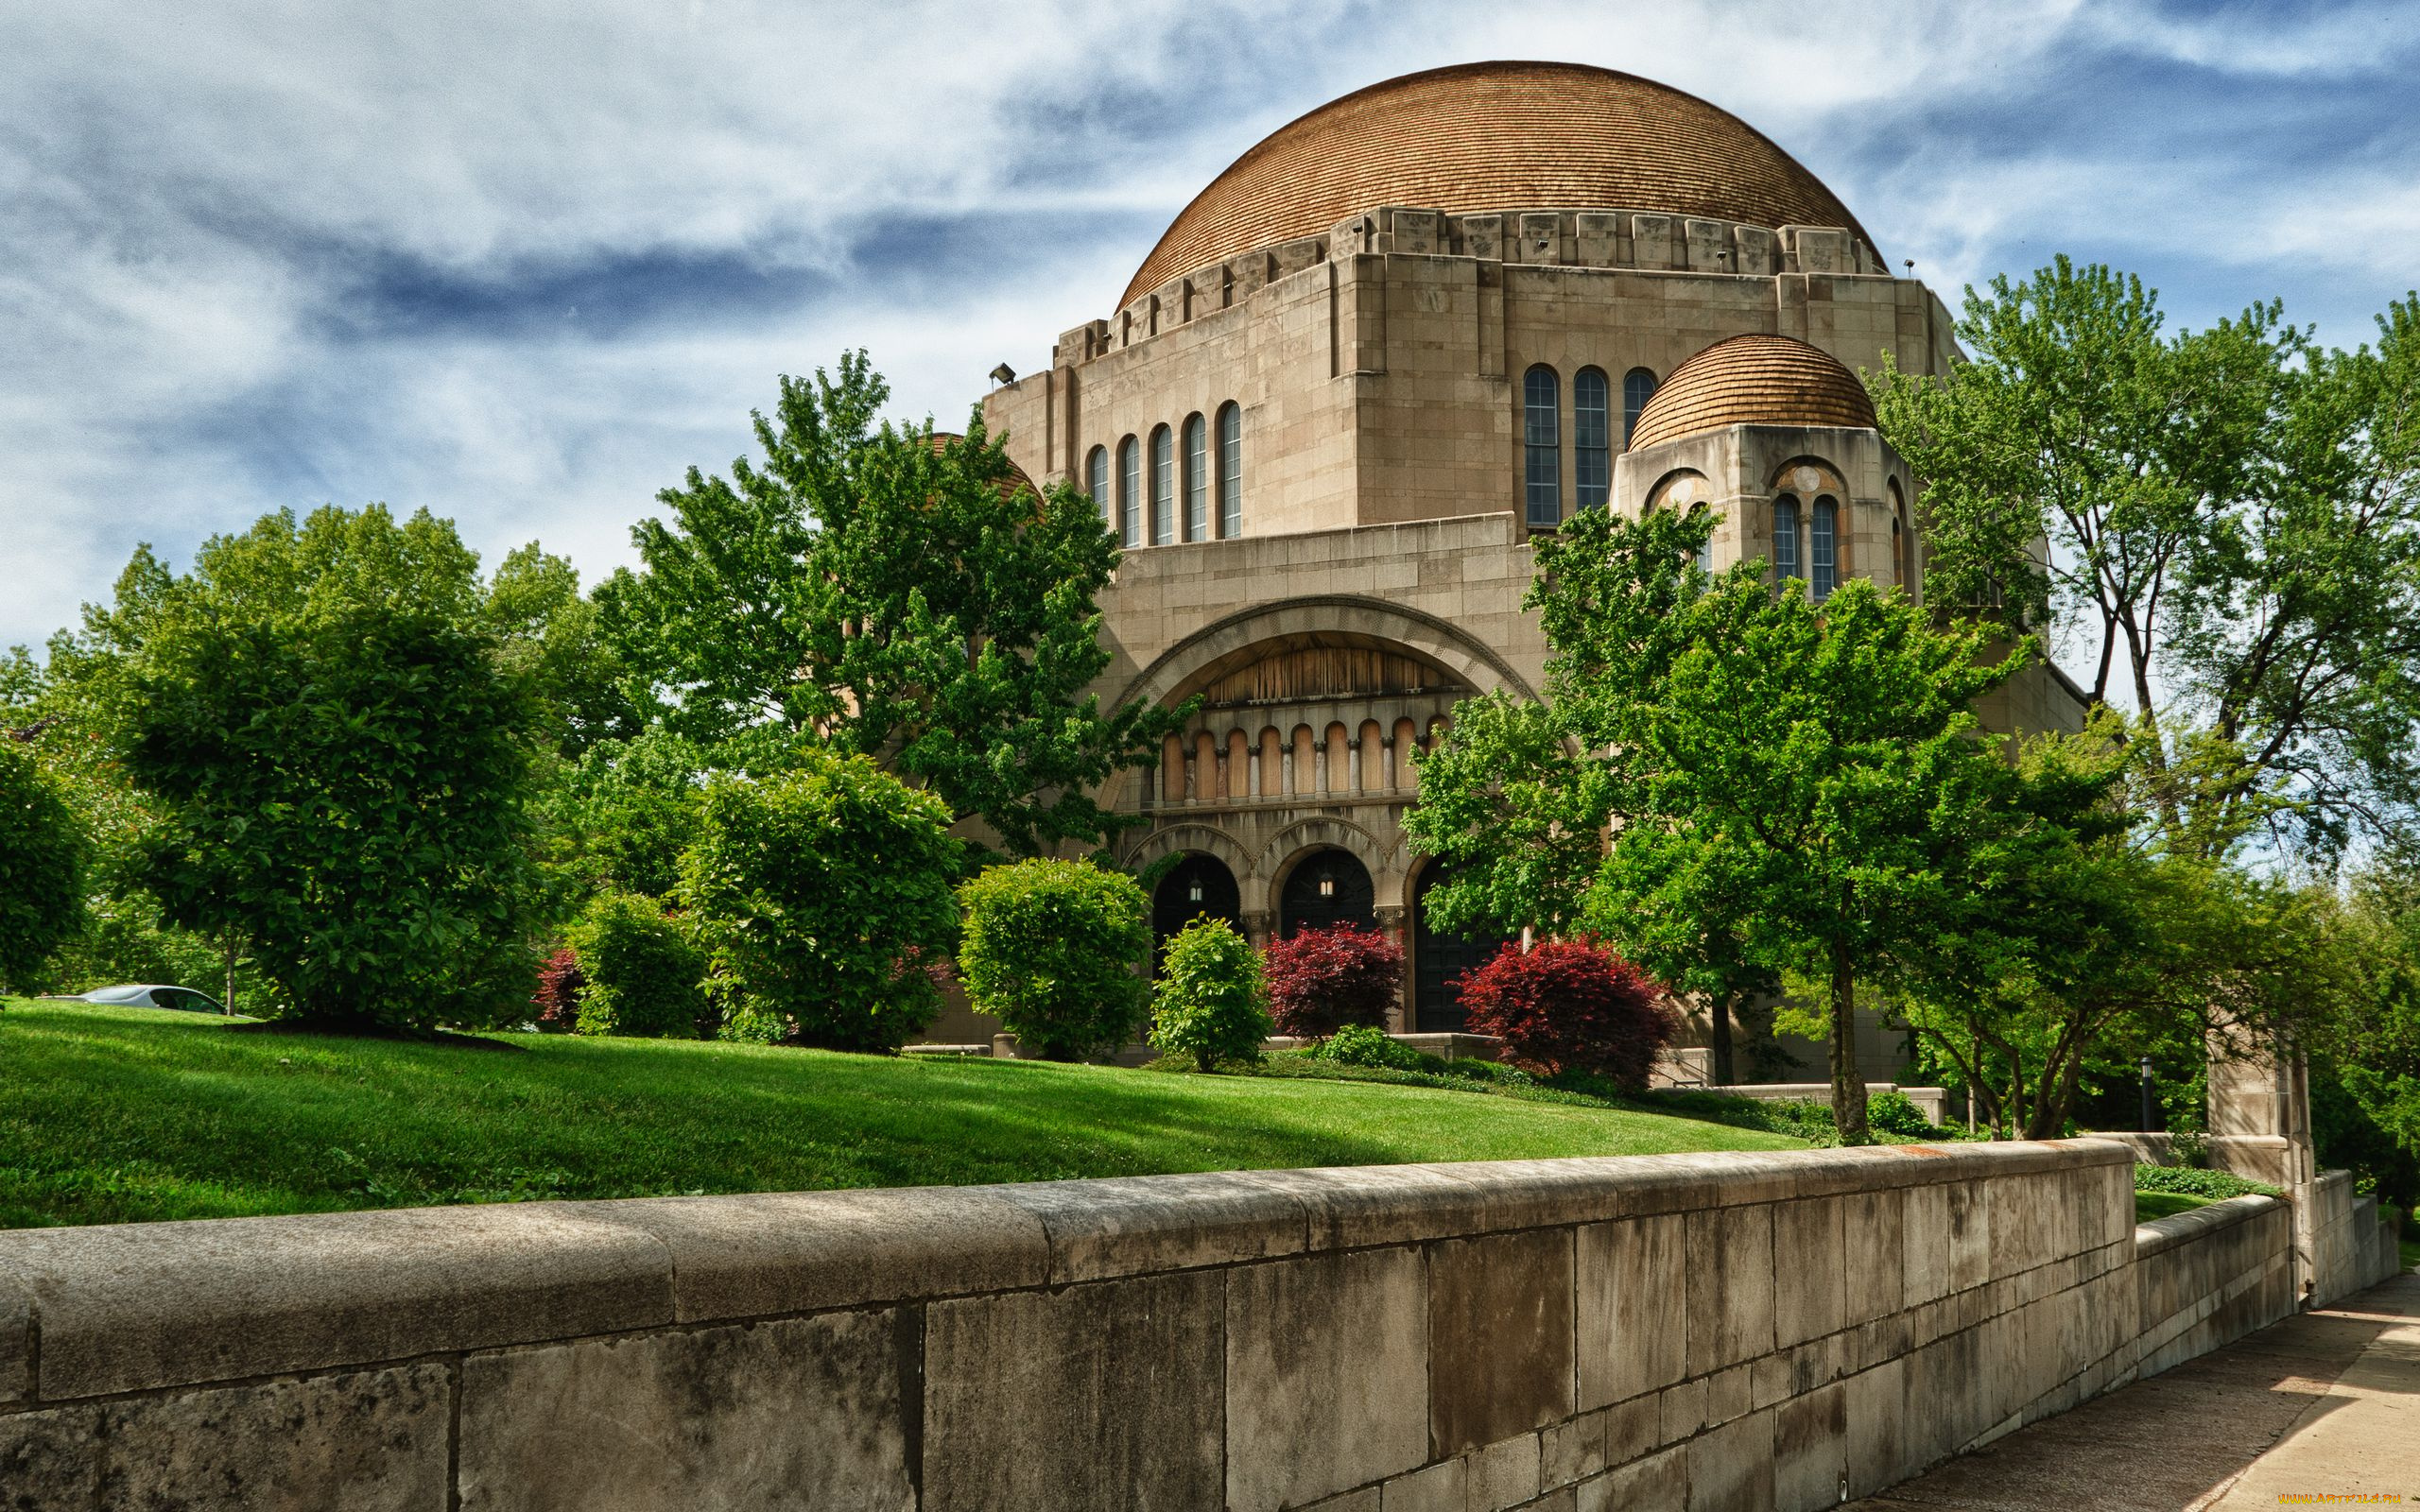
(1258, 928)
(2260, 1118)
(1391, 924)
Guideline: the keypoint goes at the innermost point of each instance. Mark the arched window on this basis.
(1823, 554)
(1542, 438)
(1592, 436)
(1898, 555)
(1130, 493)
(1785, 537)
(1162, 487)
(1231, 470)
(1638, 387)
(1197, 479)
(1096, 483)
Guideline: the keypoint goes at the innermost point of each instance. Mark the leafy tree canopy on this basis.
(2232, 523)
(331, 757)
(898, 594)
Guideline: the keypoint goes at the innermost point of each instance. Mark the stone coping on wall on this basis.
(2162, 1235)
(91, 1312)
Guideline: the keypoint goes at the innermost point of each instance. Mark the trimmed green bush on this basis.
(823, 893)
(1895, 1113)
(1049, 949)
(1359, 1044)
(1211, 1002)
(640, 975)
(2190, 1182)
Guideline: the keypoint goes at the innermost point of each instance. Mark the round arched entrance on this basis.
(1328, 886)
(1438, 957)
(1198, 886)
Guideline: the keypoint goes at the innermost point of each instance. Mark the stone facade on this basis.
(1328, 456)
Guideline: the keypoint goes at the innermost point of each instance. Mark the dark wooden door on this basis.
(1439, 959)
(1327, 887)
(1200, 886)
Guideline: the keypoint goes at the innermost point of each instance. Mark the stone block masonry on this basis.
(1734, 1330)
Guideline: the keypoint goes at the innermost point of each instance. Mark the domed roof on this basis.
(1483, 137)
(1754, 380)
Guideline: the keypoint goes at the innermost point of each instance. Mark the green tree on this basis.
(42, 869)
(620, 816)
(330, 759)
(823, 894)
(2232, 520)
(1052, 949)
(900, 594)
(1210, 1002)
(1786, 783)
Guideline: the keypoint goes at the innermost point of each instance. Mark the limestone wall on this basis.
(2209, 1275)
(1738, 1331)
(2352, 1247)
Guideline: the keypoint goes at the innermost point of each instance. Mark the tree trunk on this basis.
(1848, 1087)
(227, 1004)
(1719, 1040)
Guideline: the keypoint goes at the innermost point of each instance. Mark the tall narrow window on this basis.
(1130, 493)
(1822, 548)
(1162, 487)
(1542, 437)
(1096, 483)
(1592, 436)
(1231, 470)
(1638, 387)
(1785, 537)
(1898, 555)
(1197, 480)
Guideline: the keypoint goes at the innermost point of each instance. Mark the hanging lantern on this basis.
(1193, 894)
(1327, 883)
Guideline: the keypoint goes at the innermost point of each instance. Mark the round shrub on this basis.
(1894, 1112)
(640, 975)
(41, 870)
(820, 891)
(1358, 1044)
(1049, 949)
(1569, 1006)
(557, 998)
(1323, 979)
(1211, 1002)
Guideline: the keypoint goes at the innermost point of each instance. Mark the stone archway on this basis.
(1327, 886)
(1437, 959)
(1200, 886)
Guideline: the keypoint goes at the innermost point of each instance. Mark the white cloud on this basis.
(265, 255)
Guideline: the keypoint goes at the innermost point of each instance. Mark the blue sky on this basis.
(525, 265)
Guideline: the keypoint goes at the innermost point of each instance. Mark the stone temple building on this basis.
(1395, 341)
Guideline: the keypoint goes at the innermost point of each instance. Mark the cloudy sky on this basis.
(523, 264)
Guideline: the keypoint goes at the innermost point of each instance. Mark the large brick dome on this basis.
(1485, 137)
(1754, 380)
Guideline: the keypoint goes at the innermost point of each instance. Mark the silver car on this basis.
(150, 995)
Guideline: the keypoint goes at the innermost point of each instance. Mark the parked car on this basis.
(150, 995)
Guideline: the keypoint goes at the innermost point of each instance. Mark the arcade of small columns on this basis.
(1324, 756)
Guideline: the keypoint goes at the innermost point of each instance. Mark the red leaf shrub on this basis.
(1323, 979)
(1569, 1006)
(557, 998)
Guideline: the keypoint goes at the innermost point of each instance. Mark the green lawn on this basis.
(2149, 1205)
(112, 1115)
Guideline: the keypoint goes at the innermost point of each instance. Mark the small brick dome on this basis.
(1754, 380)
(1480, 138)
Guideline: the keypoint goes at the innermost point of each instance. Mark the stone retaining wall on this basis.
(2210, 1275)
(2352, 1247)
(1751, 1330)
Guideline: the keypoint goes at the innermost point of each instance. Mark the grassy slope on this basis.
(112, 1115)
(2149, 1205)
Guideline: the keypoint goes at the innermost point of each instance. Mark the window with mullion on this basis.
(1162, 487)
(1231, 471)
(1785, 537)
(1130, 493)
(1197, 480)
(1822, 548)
(1542, 438)
(1592, 436)
(1096, 483)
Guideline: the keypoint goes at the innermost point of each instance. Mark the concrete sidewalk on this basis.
(2324, 1403)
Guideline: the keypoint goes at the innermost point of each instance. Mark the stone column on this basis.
(1319, 758)
(1259, 928)
(2259, 1119)
(1386, 760)
(1353, 765)
(1390, 921)
(1286, 765)
(1252, 769)
(1192, 776)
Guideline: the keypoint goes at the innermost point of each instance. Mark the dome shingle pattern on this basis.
(1754, 380)
(1480, 138)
